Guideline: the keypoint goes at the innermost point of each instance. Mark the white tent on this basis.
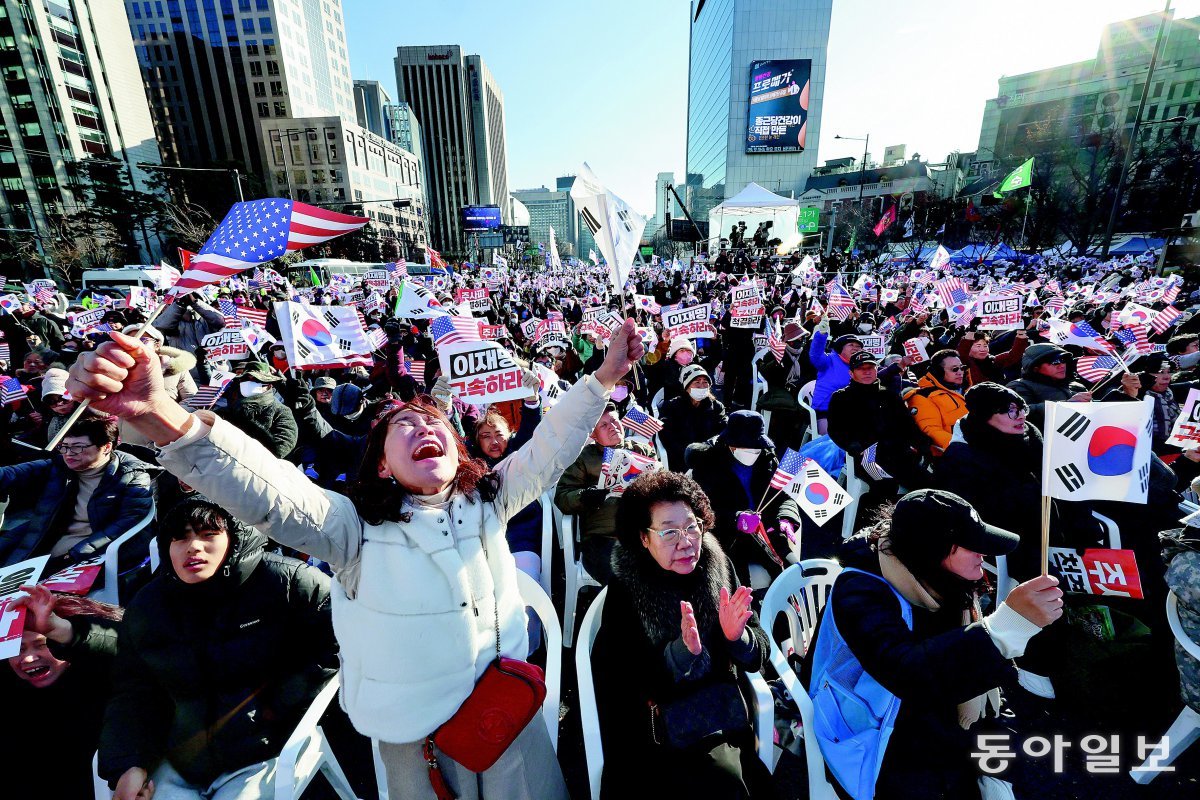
(753, 205)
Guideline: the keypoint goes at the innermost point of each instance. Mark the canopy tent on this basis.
(972, 253)
(901, 254)
(753, 205)
(1135, 245)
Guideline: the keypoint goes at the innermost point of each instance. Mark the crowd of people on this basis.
(368, 521)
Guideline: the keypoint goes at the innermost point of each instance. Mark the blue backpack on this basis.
(853, 715)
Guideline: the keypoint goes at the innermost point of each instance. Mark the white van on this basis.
(122, 278)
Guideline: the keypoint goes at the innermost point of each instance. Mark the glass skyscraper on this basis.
(726, 37)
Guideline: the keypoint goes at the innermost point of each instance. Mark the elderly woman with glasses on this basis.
(995, 464)
(425, 593)
(675, 629)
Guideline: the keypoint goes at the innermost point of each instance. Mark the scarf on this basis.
(921, 595)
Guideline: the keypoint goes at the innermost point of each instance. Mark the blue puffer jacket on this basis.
(832, 372)
(42, 495)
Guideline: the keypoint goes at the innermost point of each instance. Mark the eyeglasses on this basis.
(1016, 412)
(1057, 360)
(673, 535)
(959, 368)
(53, 401)
(73, 449)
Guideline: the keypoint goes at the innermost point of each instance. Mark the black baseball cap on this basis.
(862, 358)
(933, 516)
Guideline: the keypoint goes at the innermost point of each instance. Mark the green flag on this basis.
(1019, 178)
(853, 236)
(313, 277)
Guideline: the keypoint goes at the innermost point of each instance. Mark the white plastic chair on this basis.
(804, 398)
(305, 753)
(539, 601)
(856, 487)
(758, 386)
(1185, 730)
(589, 716)
(661, 452)
(547, 501)
(576, 577)
(108, 593)
(809, 582)
(657, 401)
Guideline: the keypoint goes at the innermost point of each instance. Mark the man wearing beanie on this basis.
(833, 371)
(1046, 377)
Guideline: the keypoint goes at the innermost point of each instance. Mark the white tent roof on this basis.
(754, 199)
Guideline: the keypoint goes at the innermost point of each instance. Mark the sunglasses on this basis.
(1057, 360)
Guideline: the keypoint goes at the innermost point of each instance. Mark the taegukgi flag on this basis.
(1097, 451)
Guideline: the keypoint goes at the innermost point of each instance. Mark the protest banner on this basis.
(377, 279)
(1000, 312)
(77, 578)
(1098, 571)
(745, 306)
(226, 345)
(474, 299)
(551, 333)
(690, 322)
(481, 373)
(85, 322)
(12, 621)
(529, 328)
(1185, 433)
(493, 332)
(915, 350)
(874, 344)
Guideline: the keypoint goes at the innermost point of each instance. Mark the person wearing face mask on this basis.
(833, 372)
(577, 493)
(975, 353)
(681, 352)
(62, 672)
(692, 418)
(254, 408)
(735, 468)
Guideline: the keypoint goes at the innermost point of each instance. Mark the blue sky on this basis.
(606, 82)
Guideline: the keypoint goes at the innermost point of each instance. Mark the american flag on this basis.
(887, 326)
(11, 391)
(775, 341)
(206, 396)
(377, 337)
(641, 423)
(229, 311)
(1166, 318)
(1055, 303)
(44, 295)
(952, 291)
(1134, 336)
(397, 270)
(840, 303)
(1094, 368)
(448, 330)
(257, 231)
(5, 352)
(1170, 294)
(257, 279)
(789, 467)
(255, 316)
(415, 367)
(870, 466)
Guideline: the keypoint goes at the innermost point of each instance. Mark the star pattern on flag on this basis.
(254, 232)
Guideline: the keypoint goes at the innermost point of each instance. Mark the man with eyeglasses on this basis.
(1046, 377)
(937, 402)
(73, 505)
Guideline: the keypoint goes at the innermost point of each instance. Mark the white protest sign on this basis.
(690, 322)
(475, 299)
(915, 350)
(12, 621)
(874, 344)
(377, 278)
(1186, 431)
(226, 345)
(85, 322)
(999, 312)
(745, 306)
(481, 373)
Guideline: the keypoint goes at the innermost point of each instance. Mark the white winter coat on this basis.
(412, 602)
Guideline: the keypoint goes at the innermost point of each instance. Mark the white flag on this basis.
(615, 226)
(555, 261)
(499, 260)
(1097, 451)
(941, 258)
(319, 335)
(592, 257)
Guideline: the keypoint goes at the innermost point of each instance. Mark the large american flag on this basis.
(789, 467)
(448, 330)
(257, 231)
(1165, 319)
(952, 291)
(641, 423)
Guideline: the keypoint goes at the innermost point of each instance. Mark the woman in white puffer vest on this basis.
(423, 573)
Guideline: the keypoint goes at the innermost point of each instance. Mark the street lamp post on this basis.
(237, 176)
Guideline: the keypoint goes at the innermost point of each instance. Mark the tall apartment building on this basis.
(370, 100)
(71, 91)
(460, 109)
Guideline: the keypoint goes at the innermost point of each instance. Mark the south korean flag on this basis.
(1097, 451)
(817, 493)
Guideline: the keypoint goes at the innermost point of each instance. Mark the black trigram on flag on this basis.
(812, 474)
(1144, 477)
(332, 319)
(295, 317)
(590, 220)
(820, 513)
(344, 345)
(1070, 476)
(302, 350)
(1075, 426)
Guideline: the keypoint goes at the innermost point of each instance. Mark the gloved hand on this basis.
(823, 325)
(593, 498)
(443, 394)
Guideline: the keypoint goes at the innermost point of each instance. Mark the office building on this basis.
(776, 147)
(1100, 96)
(215, 71)
(325, 160)
(370, 102)
(551, 208)
(402, 128)
(71, 91)
(460, 109)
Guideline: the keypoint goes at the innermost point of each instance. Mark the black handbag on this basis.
(713, 712)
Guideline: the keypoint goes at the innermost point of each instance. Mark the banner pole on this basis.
(1047, 429)
(1045, 535)
(83, 404)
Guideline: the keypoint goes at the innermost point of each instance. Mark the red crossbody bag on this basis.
(508, 695)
